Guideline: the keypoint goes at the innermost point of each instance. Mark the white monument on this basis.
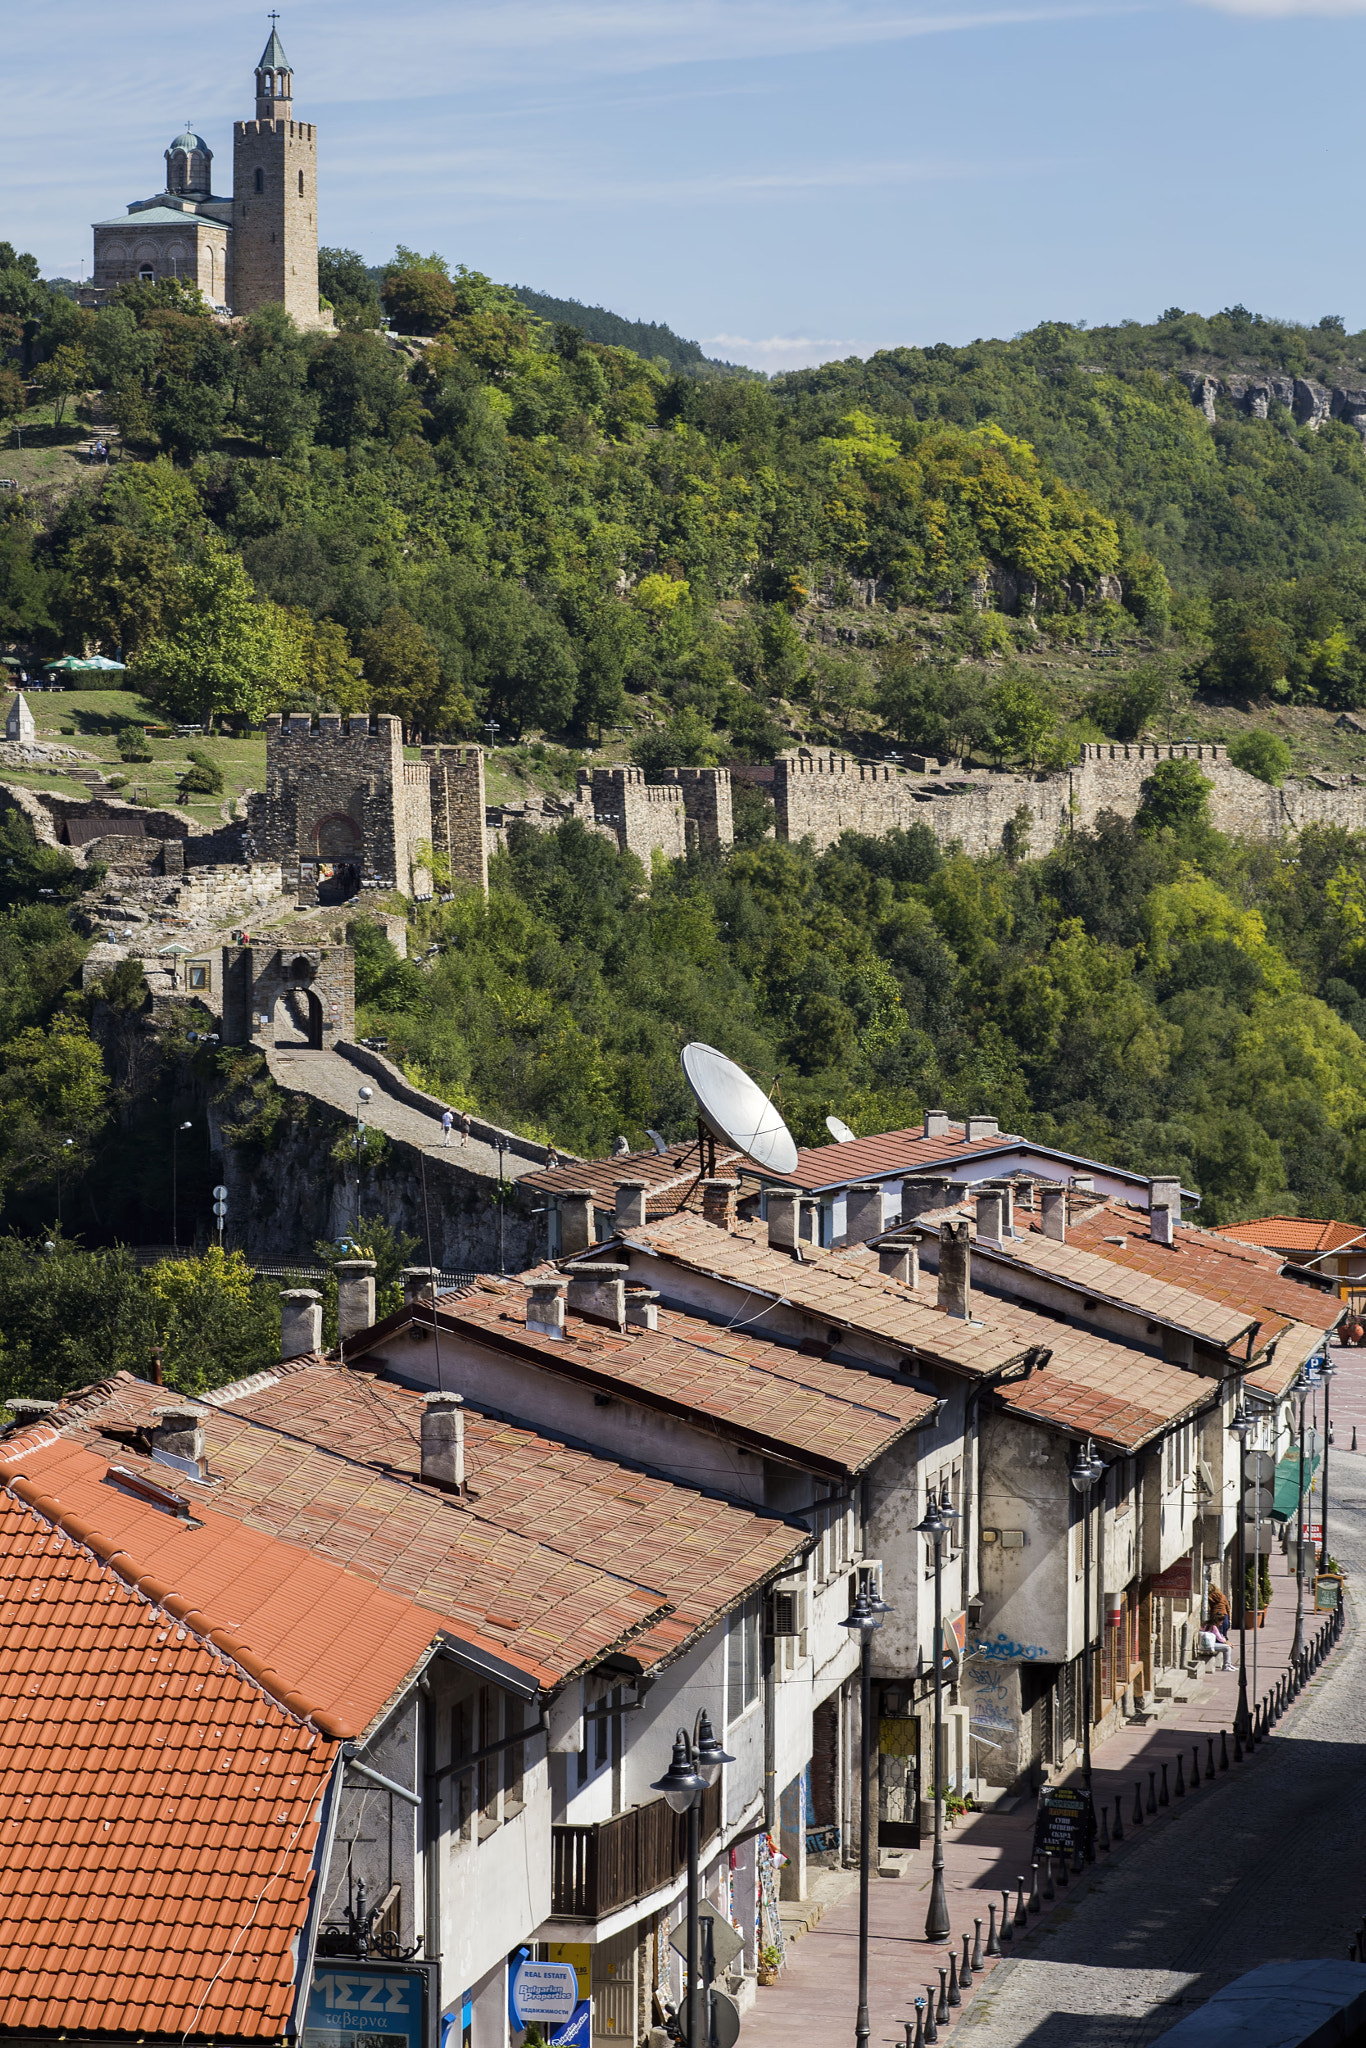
(19, 725)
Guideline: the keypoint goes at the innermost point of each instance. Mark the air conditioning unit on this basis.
(786, 1610)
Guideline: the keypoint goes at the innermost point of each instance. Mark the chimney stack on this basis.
(718, 1202)
(898, 1259)
(936, 1123)
(443, 1441)
(980, 1127)
(784, 1219)
(27, 1411)
(955, 1270)
(178, 1433)
(1162, 1225)
(642, 1308)
(578, 1230)
(926, 1191)
(301, 1322)
(1054, 1202)
(545, 1307)
(862, 1211)
(1083, 1183)
(991, 1213)
(1165, 1193)
(419, 1281)
(355, 1297)
(629, 1213)
(599, 1289)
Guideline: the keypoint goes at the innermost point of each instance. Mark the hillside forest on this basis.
(481, 518)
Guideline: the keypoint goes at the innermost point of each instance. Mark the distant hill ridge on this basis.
(648, 338)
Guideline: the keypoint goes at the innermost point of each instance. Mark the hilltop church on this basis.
(258, 248)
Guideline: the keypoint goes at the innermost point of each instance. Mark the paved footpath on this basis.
(1260, 1865)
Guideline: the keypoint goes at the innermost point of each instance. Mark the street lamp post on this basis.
(1301, 1390)
(1085, 1473)
(67, 1144)
(1240, 1427)
(1326, 1370)
(175, 1184)
(363, 1096)
(864, 1619)
(696, 1764)
(934, 1528)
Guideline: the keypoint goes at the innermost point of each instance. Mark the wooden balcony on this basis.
(595, 1869)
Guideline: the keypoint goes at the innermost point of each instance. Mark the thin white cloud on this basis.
(781, 351)
(1281, 10)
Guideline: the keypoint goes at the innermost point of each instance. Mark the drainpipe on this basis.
(770, 1732)
(431, 1820)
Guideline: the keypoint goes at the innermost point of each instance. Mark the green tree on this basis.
(273, 399)
(1021, 721)
(62, 376)
(220, 649)
(13, 397)
(418, 300)
(188, 418)
(1262, 754)
(361, 391)
(116, 586)
(1175, 798)
(404, 675)
(686, 741)
(53, 1088)
(118, 350)
(344, 281)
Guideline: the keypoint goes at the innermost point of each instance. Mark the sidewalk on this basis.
(815, 1997)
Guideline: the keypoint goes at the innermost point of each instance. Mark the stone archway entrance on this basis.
(298, 1019)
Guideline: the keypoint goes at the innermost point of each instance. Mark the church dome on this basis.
(187, 165)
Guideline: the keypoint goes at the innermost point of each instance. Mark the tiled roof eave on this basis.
(991, 1253)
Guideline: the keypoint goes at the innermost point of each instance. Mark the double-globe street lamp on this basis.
(939, 1518)
(1241, 1428)
(1326, 1371)
(1087, 1470)
(863, 1620)
(696, 1765)
(1300, 1391)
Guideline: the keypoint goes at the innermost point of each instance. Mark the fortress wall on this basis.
(646, 816)
(456, 794)
(707, 810)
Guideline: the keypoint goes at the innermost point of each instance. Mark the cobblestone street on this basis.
(1262, 1865)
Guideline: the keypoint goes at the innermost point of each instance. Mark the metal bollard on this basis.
(1007, 1929)
(1103, 1839)
(1050, 1890)
(1035, 1897)
(965, 1968)
(1021, 1916)
(1223, 1749)
(993, 1945)
(1138, 1804)
(1078, 1864)
(931, 2026)
(1209, 1759)
(943, 1998)
(977, 1962)
(1195, 1765)
(1179, 1788)
(954, 1996)
(1117, 1831)
(1163, 1797)
(919, 2041)
(1152, 1792)
(1237, 1744)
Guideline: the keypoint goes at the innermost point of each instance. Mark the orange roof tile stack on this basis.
(160, 1812)
(1290, 1235)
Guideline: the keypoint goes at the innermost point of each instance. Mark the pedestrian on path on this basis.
(1220, 1617)
(464, 1127)
(447, 1119)
(552, 1158)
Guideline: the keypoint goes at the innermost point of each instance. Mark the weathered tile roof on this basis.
(1292, 1233)
(702, 1554)
(1092, 1272)
(890, 1152)
(771, 1398)
(671, 1177)
(160, 1812)
(287, 1521)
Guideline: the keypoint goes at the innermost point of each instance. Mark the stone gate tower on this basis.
(275, 199)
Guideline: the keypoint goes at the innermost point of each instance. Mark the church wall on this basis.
(196, 252)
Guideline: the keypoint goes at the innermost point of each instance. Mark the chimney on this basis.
(301, 1322)
(577, 1226)
(599, 1290)
(784, 1219)
(991, 1213)
(1083, 1183)
(899, 1259)
(928, 1191)
(26, 1411)
(936, 1123)
(545, 1307)
(862, 1211)
(718, 1202)
(955, 1270)
(642, 1309)
(1162, 1226)
(443, 1441)
(1165, 1193)
(419, 1280)
(355, 1296)
(980, 1127)
(1054, 1203)
(629, 1213)
(178, 1435)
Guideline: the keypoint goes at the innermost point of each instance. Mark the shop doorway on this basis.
(898, 1771)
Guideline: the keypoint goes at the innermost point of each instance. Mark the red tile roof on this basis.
(1089, 1271)
(771, 1398)
(160, 1812)
(702, 1554)
(890, 1152)
(291, 1521)
(670, 1177)
(1293, 1233)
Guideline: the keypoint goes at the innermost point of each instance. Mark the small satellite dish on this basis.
(737, 1109)
(657, 1141)
(839, 1130)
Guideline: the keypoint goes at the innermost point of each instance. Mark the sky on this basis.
(785, 181)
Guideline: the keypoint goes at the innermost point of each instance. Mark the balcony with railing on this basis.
(597, 1868)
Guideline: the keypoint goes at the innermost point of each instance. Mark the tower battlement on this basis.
(385, 730)
(291, 131)
(1146, 750)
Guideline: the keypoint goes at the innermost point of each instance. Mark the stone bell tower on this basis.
(275, 199)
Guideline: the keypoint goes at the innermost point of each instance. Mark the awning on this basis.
(1288, 1479)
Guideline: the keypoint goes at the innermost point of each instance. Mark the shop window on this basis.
(198, 974)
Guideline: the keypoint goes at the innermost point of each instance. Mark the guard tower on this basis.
(275, 199)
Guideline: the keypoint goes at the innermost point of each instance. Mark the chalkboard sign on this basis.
(1066, 1820)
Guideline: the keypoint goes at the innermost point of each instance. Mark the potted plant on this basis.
(770, 1962)
(1259, 1600)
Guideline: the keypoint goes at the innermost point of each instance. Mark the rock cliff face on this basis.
(1310, 403)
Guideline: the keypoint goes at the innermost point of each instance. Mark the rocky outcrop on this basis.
(1255, 393)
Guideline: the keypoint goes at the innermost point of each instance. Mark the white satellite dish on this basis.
(839, 1130)
(736, 1109)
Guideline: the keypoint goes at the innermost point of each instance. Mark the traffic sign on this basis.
(1259, 1468)
(220, 1194)
(726, 1944)
(725, 2020)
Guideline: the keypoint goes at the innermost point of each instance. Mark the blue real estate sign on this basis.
(366, 2005)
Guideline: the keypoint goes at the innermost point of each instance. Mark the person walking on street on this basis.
(464, 1127)
(1219, 1619)
(447, 1119)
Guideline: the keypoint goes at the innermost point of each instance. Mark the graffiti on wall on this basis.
(1002, 1650)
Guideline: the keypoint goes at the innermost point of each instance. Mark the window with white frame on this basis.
(742, 1658)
